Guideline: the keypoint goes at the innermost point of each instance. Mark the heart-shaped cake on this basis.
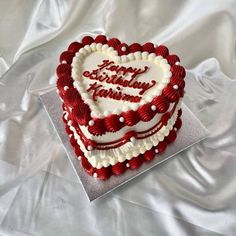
(121, 103)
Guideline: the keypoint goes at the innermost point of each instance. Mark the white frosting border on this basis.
(104, 158)
(110, 51)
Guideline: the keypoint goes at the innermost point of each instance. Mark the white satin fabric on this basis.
(194, 193)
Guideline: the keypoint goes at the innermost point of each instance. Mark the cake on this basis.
(121, 103)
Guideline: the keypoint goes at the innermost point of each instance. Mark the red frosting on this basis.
(64, 81)
(98, 128)
(161, 103)
(149, 155)
(87, 166)
(136, 162)
(101, 39)
(135, 47)
(178, 70)
(113, 123)
(131, 117)
(171, 137)
(75, 47)
(81, 113)
(122, 49)
(162, 51)
(67, 56)
(148, 47)
(161, 147)
(87, 40)
(170, 93)
(71, 97)
(172, 59)
(63, 70)
(118, 168)
(114, 42)
(104, 173)
(145, 112)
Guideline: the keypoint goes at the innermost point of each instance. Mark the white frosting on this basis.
(104, 158)
(88, 58)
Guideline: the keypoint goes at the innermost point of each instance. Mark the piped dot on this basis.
(132, 139)
(95, 175)
(153, 107)
(79, 158)
(123, 49)
(66, 88)
(64, 62)
(121, 119)
(90, 148)
(156, 150)
(177, 63)
(127, 165)
(91, 123)
(175, 87)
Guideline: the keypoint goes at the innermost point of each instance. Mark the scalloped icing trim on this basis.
(111, 52)
(99, 159)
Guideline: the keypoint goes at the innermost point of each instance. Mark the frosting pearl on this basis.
(66, 88)
(153, 107)
(90, 148)
(177, 63)
(175, 87)
(132, 139)
(91, 122)
(156, 150)
(95, 175)
(127, 165)
(123, 49)
(121, 119)
(79, 158)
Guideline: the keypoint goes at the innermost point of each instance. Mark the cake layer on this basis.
(135, 79)
(104, 158)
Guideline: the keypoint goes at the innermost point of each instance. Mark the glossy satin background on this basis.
(193, 193)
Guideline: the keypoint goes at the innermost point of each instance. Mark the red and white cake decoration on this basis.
(121, 103)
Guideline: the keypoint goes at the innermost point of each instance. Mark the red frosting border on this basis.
(81, 113)
(106, 172)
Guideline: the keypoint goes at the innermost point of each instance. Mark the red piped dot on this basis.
(135, 47)
(78, 151)
(101, 39)
(75, 47)
(67, 56)
(179, 112)
(172, 59)
(162, 51)
(63, 70)
(114, 42)
(178, 123)
(149, 155)
(136, 162)
(161, 147)
(87, 40)
(118, 168)
(171, 137)
(73, 141)
(104, 173)
(87, 166)
(148, 47)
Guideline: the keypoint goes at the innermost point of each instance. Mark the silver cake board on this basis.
(191, 132)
